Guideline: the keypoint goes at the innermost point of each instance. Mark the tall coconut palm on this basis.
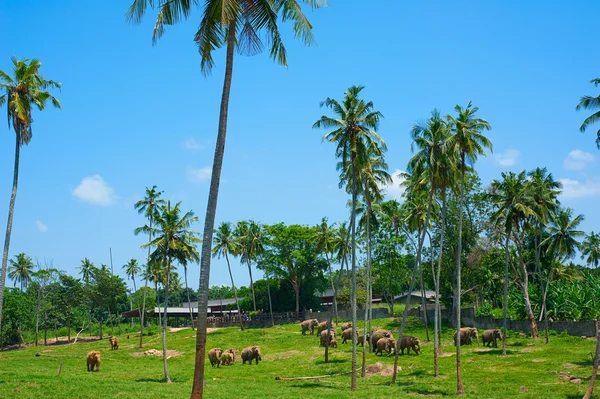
(224, 244)
(242, 237)
(87, 270)
(469, 143)
(591, 248)
(324, 239)
(132, 269)
(355, 135)
(591, 103)
(20, 270)
(240, 25)
(22, 92)
(148, 206)
(174, 241)
(514, 205)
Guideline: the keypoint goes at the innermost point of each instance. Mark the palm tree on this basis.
(149, 207)
(324, 239)
(591, 103)
(25, 90)
(174, 241)
(87, 270)
(354, 133)
(514, 205)
(131, 269)
(469, 143)
(223, 245)
(20, 270)
(429, 140)
(235, 24)
(591, 248)
(242, 238)
(562, 242)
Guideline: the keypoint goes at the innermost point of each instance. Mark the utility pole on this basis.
(112, 271)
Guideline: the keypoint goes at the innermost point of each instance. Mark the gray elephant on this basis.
(251, 353)
(214, 355)
(385, 344)
(490, 336)
(323, 337)
(377, 335)
(409, 342)
(347, 335)
(323, 326)
(466, 336)
(309, 325)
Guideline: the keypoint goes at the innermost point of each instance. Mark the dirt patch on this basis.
(389, 370)
(155, 352)
(283, 355)
(530, 349)
(175, 329)
(483, 349)
(374, 368)
(568, 365)
(538, 360)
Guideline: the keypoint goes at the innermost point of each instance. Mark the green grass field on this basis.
(286, 353)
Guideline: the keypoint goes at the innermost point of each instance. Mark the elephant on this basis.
(361, 340)
(227, 359)
(385, 344)
(93, 359)
(214, 355)
(251, 353)
(333, 343)
(409, 342)
(309, 325)
(323, 338)
(323, 326)
(466, 336)
(377, 335)
(114, 343)
(346, 326)
(346, 335)
(490, 336)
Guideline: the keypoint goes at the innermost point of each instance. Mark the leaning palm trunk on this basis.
(525, 290)
(505, 304)
(368, 298)
(412, 283)
(252, 286)
(237, 304)
(164, 326)
(143, 312)
(11, 210)
(158, 305)
(334, 302)
(437, 347)
(209, 223)
(460, 390)
(590, 389)
(424, 309)
(269, 296)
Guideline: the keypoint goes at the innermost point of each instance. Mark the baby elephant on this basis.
(323, 337)
(490, 336)
(377, 335)
(214, 355)
(361, 340)
(227, 359)
(333, 343)
(410, 342)
(323, 326)
(466, 336)
(93, 359)
(251, 353)
(114, 343)
(233, 352)
(309, 325)
(385, 344)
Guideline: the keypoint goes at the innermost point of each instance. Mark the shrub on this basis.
(485, 310)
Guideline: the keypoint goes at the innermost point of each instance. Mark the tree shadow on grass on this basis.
(157, 380)
(496, 352)
(332, 361)
(312, 384)
(428, 392)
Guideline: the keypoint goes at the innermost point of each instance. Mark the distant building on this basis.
(327, 297)
(216, 308)
(416, 297)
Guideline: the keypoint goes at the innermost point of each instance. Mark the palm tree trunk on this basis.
(334, 304)
(143, 310)
(134, 291)
(45, 316)
(412, 283)
(436, 282)
(209, 223)
(297, 293)
(158, 305)
(505, 305)
(368, 298)
(11, 210)
(269, 295)
(188, 297)
(68, 325)
(164, 326)
(353, 286)
(590, 388)
(237, 304)
(460, 390)
(252, 286)
(525, 289)
(37, 316)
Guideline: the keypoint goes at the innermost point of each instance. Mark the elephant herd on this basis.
(383, 340)
(218, 357)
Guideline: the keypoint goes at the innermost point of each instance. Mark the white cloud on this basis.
(41, 226)
(192, 145)
(573, 189)
(508, 157)
(199, 175)
(393, 189)
(578, 159)
(94, 190)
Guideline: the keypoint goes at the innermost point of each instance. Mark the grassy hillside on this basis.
(287, 353)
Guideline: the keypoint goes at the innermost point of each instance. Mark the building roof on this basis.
(429, 294)
(214, 302)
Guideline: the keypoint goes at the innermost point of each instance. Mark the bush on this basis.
(485, 310)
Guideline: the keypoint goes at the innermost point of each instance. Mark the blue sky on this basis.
(135, 115)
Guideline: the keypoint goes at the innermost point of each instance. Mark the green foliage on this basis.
(485, 310)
